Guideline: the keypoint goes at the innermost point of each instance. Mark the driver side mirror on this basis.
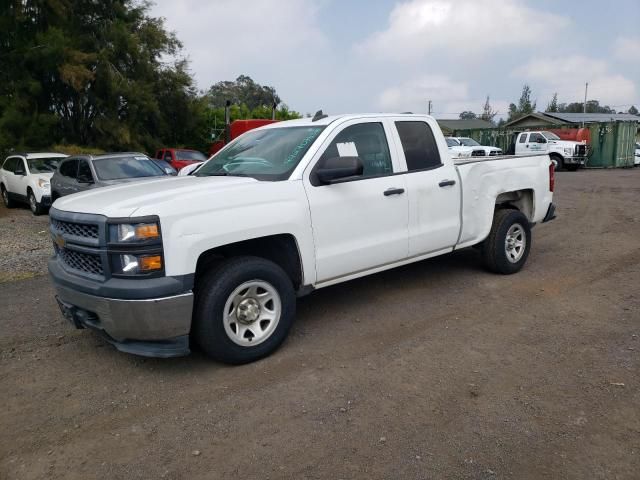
(336, 169)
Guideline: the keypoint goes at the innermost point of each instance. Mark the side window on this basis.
(9, 164)
(367, 141)
(69, 168)
(536, 138)
(19, 167)
(419, 145)
(84, 171)
(523, 137)
(167, 156)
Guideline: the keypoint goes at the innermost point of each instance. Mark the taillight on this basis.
(552, 176)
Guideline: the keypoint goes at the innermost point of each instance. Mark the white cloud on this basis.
(413, 95)
(627, 49)
(567, 76)
(463, 27)
(226, 38)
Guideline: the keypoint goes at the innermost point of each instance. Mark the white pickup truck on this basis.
(219, 256)
(564, 153)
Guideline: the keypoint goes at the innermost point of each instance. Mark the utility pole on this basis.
(429, 108)
(584, 106)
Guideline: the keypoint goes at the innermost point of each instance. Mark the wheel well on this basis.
(280, 249)
(521, 200)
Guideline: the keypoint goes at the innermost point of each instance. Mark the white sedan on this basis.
(456, 150)
(25, 177)
(470, 142)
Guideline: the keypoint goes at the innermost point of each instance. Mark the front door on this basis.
(358, 224)
(537, 143)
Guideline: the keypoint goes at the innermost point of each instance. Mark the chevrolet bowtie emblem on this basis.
(60, 241)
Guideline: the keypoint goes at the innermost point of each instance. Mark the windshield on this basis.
(43, 165)
(117, 168)
(550, 136)
(269, 154)
(468, 142)
(190, 155)
(452, 143)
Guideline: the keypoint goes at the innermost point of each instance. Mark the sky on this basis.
(348, 56)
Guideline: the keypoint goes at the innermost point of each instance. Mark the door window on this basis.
(366, 141)
(419, 145)
(167, 156)
(69, 168)
(523, 137)
(84, 172)
(19, 167)
(537, 138)
(10, 164)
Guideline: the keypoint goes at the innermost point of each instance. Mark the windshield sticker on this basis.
(347, 149)
(293, 156)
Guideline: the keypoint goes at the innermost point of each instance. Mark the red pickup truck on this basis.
(180, 157)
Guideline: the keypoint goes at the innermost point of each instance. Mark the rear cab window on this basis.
(419, 145)
(523, 137)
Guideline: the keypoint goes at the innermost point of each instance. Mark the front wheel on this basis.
(559, 163)
(244, 310)
(36, 208)
(507, 247)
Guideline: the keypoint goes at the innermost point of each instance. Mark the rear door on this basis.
(433, 187)
(8, 175)
(19, 182)
(361, 223)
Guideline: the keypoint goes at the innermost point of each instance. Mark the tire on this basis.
(8, 202)
(54, 197)
(36, 208)
(240, 287)
(559, 162)
(500, 251)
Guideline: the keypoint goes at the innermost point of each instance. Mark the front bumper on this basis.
(154, 327)
(575, 160)
(45, 201)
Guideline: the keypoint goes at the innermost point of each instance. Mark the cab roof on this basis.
(323, 122)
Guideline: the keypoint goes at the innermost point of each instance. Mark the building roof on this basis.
(593, 117)
(540, 116)
(461, 124)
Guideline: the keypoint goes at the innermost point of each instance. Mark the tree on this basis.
(93, 73)
(524, 106)
(488, 113)
(552, 106)
(593, 106)
(633, 110)
(468, 115)
(243, 90)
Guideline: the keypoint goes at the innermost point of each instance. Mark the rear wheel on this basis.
(244, 309)
(507, 247)
(36, 208)
(8, 202)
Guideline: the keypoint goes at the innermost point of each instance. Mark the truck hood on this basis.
(124, 200)
(565, 143)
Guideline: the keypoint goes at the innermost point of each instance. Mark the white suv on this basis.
(25, 177)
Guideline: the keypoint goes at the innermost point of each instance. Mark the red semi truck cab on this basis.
(237, 128)
(180, 157)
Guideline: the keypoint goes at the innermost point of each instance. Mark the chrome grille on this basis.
(581, 150)
(82, 230)
(478, 153)
(85, 262)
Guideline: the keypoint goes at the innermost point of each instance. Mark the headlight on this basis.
(134, 232)
(42, 183)
(568, 151)
(134, 264)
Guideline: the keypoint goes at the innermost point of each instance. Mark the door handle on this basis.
(447, 183)
(393, 191)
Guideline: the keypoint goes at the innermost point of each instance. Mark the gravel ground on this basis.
(25, 244)
(434, 370)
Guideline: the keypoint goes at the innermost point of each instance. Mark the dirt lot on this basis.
(435, 370)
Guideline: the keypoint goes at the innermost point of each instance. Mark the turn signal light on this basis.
(146, 231)
(150, 263)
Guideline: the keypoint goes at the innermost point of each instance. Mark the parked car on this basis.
(456, 150)
(84, 172)
(220, 256)
(564, 153)
(636, 158)
(179, 158)
(168, 169)
(470, 142)
(477, 151)
(25, 177)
